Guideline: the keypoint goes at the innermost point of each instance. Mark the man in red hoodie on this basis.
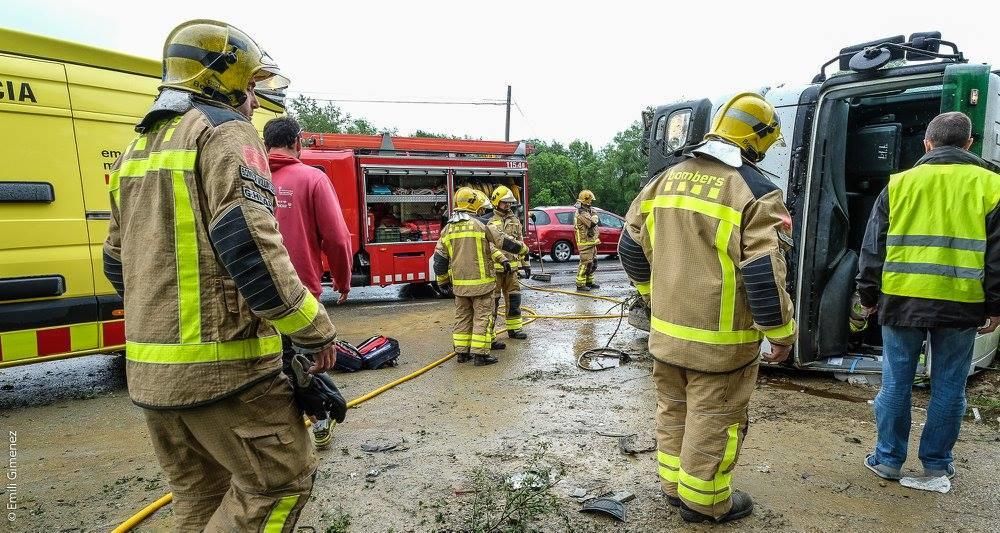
(310, 221)
(307, 210)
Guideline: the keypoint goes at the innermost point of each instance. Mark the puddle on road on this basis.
(812, 391)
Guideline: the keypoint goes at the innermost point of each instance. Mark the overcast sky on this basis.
(577, 71)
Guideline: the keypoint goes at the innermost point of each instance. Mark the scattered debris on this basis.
(606, 506)
(609, 434)
(377, 471)
(975, 414)
(528, 479)
(853, 440)
(620, 496)
(933, 484)
(842, 487)
(764, 468)
(382, 445)
(578, 492)
(629, 445)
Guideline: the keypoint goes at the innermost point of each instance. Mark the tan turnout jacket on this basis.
(194, 249)
(510, 226)
(463, 255)
(705, 243)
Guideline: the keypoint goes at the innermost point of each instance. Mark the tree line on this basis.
(557, 172)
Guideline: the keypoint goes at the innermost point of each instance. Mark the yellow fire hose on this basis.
(529, 316)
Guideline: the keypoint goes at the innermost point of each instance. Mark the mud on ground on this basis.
(84, 462)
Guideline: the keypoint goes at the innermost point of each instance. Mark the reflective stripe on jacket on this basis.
(587, 231)
(195, 252)
(706, 242)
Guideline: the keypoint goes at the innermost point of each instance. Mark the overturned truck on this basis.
(846, 133)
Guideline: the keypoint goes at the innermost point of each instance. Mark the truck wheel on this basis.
(561, 251)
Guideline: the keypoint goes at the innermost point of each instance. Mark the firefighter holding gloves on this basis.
(505, 220)
(711, 232)
(587, 239)
(194, 250)
(463, 265)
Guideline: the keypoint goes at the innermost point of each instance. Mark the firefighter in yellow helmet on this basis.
(587, 238)
(705, 244)
(194, 250)
(505, 219)
(463, 265)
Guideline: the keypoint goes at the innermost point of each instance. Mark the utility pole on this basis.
(506, 130)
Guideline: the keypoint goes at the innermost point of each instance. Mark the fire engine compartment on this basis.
(869, 137)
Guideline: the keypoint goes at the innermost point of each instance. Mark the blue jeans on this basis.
(951, 358)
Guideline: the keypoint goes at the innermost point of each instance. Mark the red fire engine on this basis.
(396, 193)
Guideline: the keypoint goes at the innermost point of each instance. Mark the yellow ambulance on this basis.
(66, 112)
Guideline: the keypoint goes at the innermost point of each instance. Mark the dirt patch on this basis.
(464, 431)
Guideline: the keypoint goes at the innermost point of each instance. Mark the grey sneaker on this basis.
(932, 472)
(881, 470)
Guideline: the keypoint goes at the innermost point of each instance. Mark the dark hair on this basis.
(281, 132)
(949, 129)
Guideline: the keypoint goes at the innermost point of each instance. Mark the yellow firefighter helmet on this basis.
(467, 199)
(586, 197)
(502, 194)
(750, 122)
(483, 200)
(218, 61)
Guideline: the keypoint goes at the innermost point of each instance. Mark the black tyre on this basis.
(562, 251)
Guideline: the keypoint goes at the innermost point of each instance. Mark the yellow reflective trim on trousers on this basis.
(279, 514)
(698, 205)
(732, 445)
(183, 160)
(781, 331)
(666, 459)
(705, 336)
(668, 474)
(695, 496)
(300, 317)
(205, 352)
(727, 306)
(186, 258)
(643, 288)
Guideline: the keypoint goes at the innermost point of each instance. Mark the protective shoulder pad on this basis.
(756, 180)
(217, 114)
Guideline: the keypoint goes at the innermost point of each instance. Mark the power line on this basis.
(422, 102)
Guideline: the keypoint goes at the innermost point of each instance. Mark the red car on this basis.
(556, 237)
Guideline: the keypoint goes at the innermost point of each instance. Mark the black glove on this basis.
(316, 394)
(506, 267)
(445, 287)
(526, 268)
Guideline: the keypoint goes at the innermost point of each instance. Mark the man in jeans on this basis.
(930, 266)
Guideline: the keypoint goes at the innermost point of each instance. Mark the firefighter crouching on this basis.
(711, 232)
(194, 250)
(508, 287)
(587, 239)
(463, 264)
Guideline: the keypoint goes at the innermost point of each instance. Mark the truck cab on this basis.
(846, 133)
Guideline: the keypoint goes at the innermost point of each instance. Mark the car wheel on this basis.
(562, 251)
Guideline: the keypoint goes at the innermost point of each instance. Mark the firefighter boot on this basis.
(592, 285)
(464, 357)
(498, 345)
(322, 434)
(583, 288)
(517, 334)
(483, 360)
(742, 507)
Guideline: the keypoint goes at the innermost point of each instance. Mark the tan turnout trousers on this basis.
(473, 324)
(243, 463)
(701, 420)
(588, 265)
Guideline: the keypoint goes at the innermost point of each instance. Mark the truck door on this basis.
(46, 279)
(673, 128)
